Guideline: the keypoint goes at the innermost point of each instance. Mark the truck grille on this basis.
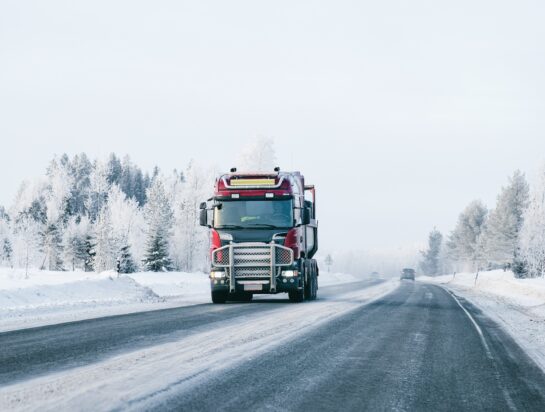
(252, 260)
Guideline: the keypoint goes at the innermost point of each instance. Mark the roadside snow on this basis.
(48, 297)
(327, 278)
(518, 304)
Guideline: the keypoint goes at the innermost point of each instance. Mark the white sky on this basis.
(401, 112)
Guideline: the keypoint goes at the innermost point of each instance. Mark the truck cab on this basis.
(263, 236)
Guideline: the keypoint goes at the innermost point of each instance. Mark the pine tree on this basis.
(139, 187)
(6, 252)
(98, 190)
(125, 261)
(430, 264)
(158, 212)
(89, 253)
(156, 258)
(80, 171)
(115, 170)
(501, 234)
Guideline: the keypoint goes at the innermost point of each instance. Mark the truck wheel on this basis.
(311, 293)
(309, 281)
(219, 297)
(314, 294)
(296, 296)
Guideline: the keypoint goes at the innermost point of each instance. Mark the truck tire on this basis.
(296, 296)
(219, 297)
(314, 293)
(311, 287)
(308, 280)
(315, 283)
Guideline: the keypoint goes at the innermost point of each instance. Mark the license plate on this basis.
(253, 287)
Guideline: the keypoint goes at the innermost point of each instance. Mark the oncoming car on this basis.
(407, 273)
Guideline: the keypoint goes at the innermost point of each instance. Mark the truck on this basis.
(263, 236)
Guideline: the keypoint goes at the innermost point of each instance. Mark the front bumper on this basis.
(258, 286)
(254, 267)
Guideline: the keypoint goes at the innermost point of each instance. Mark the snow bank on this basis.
(518, 304)
(49, 297)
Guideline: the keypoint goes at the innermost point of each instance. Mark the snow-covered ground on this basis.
(517, 304)
(52, 297)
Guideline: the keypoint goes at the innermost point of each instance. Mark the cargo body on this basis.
(263, 236)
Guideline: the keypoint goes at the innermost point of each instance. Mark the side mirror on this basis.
(202, 205)
(203, 217)
(306, 216)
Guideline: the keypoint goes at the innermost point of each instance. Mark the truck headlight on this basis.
(289, 273)
(226, 236)
(217, 275)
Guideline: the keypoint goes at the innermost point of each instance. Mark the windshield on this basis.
(241, 214)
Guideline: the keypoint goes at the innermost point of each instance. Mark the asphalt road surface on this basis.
(417, 348)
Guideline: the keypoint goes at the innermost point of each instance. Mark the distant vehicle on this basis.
(408, 273)
(375, 275)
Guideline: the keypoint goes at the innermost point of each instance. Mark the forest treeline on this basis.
(97, 215)
(509, 236)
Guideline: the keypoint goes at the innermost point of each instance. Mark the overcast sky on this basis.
(401, 112)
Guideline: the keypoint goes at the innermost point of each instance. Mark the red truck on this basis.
(263, 236)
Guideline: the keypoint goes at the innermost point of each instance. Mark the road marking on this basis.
(506, 394)
(475, 324)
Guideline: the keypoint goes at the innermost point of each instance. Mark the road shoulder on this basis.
(524, 324)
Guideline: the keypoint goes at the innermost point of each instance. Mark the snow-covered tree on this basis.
(501, 234)
(104, 250)
(115, 170)
(51, 247)
(258, 156)
(188, 248)
(464, 244)
(127, 221)
(125, 261)
(98, 190)
(89, 253)
(532, 236)
(80, 172)
(431, 264)
(26, 242)
(158, 213)
(6, 248)
(59, 185)
(75, 249)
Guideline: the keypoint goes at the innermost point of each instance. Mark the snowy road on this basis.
(362, 346)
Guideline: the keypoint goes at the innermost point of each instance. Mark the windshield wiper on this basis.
(229, 227)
